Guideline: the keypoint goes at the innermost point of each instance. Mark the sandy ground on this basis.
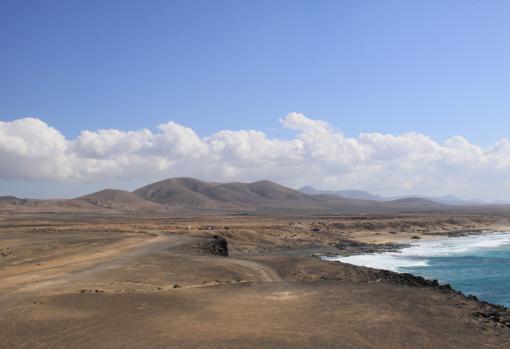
(145, 282)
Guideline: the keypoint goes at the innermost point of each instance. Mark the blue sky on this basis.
(435, 67)
(438, 68)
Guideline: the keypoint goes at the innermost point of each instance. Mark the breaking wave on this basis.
(418, 254)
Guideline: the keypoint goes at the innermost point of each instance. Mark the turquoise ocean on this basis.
(476, 264)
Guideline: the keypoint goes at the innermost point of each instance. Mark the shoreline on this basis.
(351, 247)
(489, 312)
(497, 313)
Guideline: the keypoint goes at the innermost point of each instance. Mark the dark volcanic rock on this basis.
(486, 312)
(217, 246)
(349, 247)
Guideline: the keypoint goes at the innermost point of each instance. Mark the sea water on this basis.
(476, 264)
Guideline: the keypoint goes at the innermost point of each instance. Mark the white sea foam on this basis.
(418, 253)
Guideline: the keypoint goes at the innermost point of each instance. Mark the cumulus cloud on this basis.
(30, 149)
(317, 155)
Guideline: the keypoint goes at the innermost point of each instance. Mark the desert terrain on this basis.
(119, 280)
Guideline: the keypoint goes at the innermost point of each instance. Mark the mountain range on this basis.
(360, 194)
(193, 196)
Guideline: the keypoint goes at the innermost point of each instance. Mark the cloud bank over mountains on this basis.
(317, 155)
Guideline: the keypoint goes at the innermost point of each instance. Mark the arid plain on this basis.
(75, 280)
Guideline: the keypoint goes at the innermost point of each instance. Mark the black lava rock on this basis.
(217, 246)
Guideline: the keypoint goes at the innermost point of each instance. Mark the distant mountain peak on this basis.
(363, 195)
(348, 194)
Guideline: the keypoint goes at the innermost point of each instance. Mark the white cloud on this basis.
(177, 141)
(30, 149)
(317, 155)
(109, 143)
(297, 121)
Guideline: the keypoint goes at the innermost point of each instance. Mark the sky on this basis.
(394, 97)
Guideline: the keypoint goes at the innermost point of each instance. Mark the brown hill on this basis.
(415, 202)
(11, 200)
(192, 196)
(187, 192)
(121, 200)
(192, 193)
(50, 205)
(108, 200)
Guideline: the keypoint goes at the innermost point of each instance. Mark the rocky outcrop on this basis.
(312, 269)
(492, 313)
(217, 245)
(485, 312)
(349, 247)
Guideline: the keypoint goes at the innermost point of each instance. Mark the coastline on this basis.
(487, 312)
(350, 247)
(490, 312)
